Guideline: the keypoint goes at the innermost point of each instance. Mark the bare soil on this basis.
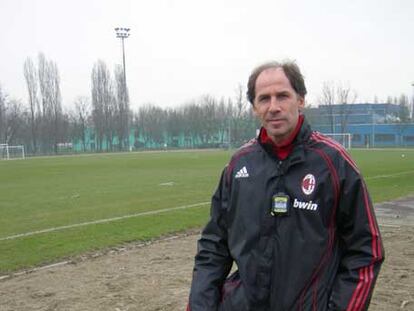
(156, 276)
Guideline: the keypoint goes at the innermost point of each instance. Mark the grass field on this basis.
(42, 193)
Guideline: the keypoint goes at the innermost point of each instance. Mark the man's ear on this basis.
(301, 105)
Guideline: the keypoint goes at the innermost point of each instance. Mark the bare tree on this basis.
(345, 96)
(45, 100)
(328, 99)
(150, 122)
(12, 123)
(223, 120)
(103, 104)
(404, 110)
(122, 114)
(174, 126)
(30, 76)
(191, 115)
(58, 129)
(340, 94)
(43, 83)
(81, 116)
(389, 100)
(49, 85)
(65, 130)
(403, 117)
(238, 110)
(208, 129)
(230, 112)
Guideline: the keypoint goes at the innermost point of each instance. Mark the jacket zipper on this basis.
(280, 174)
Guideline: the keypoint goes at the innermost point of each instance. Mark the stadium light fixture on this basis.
(123, 33)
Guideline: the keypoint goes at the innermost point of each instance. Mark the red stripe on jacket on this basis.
(366, 274)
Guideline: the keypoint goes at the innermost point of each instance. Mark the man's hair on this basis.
(291, 71)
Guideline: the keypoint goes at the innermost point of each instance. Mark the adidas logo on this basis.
(242, 173)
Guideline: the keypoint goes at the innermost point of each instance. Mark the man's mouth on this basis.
(275, 121)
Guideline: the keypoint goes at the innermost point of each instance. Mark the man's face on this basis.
(276, 104)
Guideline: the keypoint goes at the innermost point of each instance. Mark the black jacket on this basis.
(324, 255)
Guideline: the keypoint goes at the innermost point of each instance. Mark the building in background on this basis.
(370, 125)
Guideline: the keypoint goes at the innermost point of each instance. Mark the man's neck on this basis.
(283, 148)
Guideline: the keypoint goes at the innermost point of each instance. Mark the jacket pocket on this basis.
(233, 295)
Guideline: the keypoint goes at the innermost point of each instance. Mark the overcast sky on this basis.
(181, 49)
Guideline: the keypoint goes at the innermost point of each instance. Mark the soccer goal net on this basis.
(345, 139)
(11, 152)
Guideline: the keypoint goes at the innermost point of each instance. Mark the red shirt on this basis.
(284, 148)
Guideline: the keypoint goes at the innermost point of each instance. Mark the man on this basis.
(292, 211)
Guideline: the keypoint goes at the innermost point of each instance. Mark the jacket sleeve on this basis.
(212, 261)
(360, 242)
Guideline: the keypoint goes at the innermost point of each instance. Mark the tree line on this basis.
(43, 126)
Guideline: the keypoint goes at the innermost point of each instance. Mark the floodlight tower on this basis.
(123, 33)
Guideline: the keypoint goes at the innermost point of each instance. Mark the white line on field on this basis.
(100, 221)
(389, 225)
(170, 183)
(390, 175)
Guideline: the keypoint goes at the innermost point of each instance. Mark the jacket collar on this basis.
(296, 154)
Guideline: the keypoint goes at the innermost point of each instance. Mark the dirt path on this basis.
(157, 276)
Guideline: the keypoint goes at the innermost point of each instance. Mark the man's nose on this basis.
(274, 104)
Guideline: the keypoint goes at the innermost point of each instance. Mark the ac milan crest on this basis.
(308, 184)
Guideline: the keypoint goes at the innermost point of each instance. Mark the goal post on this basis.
(11, 152)
(345, 139)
